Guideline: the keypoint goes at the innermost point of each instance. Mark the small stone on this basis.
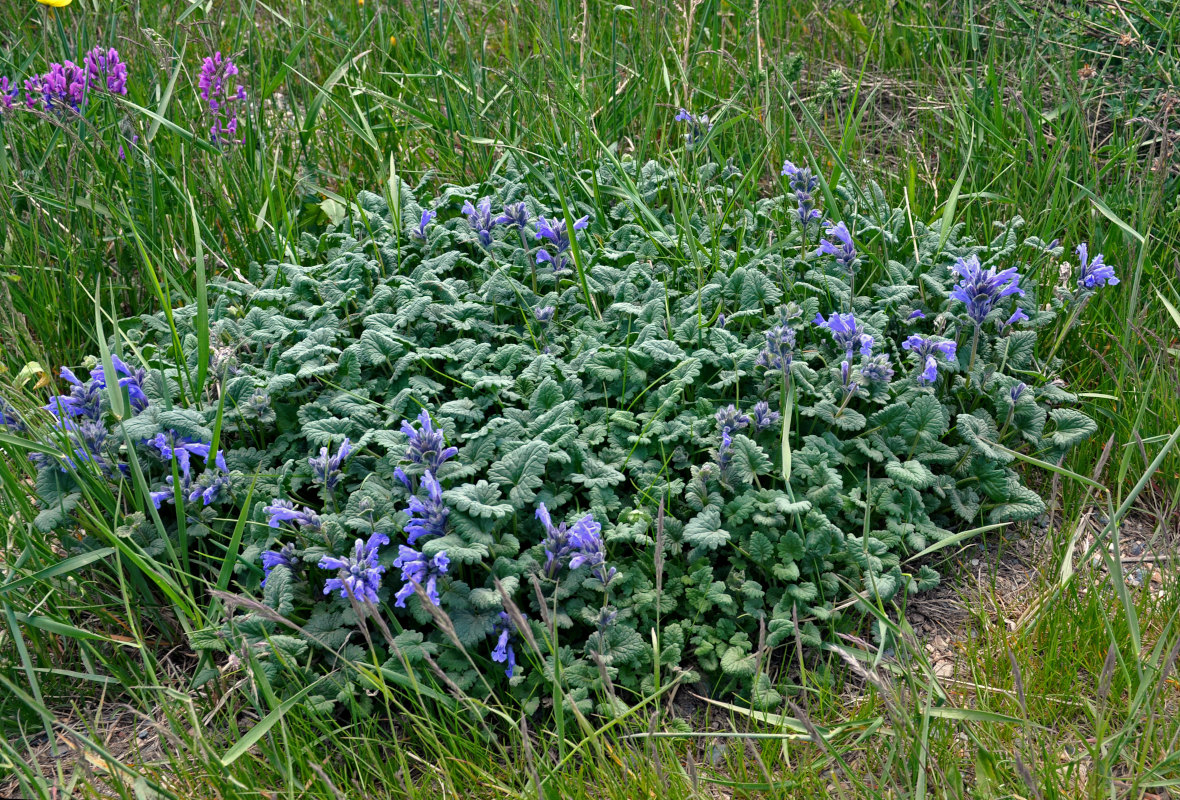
(143, 734)
(944, 669)
(717, 754)
(1135, 549)
(940, 643)
(975, 562)
(1156, 577)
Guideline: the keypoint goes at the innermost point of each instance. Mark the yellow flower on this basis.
(55, 3)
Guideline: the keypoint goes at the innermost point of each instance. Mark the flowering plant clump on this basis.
(222, 102)
(644, 462)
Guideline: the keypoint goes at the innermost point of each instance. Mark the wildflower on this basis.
(917, 313)
(168, 493)
(212, 482)
(763, 417)
(725, 452)
(420, 231)
(981, 289)
(576, 541)
(877, 368)
(326, 467)
(283, 557)
(55, 3)
(427, 445)
(359, 574)
(846, 333)
(730, 419)
(62, 87)
(122, 154)
(555, 231)
(544, 314)
(504, 653)
(181, 448)
(698, 125)
(84, 399)
(132, 380)
(479, 217)
(1017, 316)
(213, 83)
(721, 319)
(89, 437)
(802, 183)
(427, 517)
(10, 417)
(925, 348)
(1016, 392)
(589, 551)
(779, 351)
(281, 511)
(849, 385)
(844, 252)
(516, 214)
(8, 94)
(1092, 274)
(104, 69)
(417, 568)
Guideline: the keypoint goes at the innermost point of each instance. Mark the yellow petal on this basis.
(55, 3)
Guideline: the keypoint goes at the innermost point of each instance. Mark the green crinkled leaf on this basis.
(910, 473)
(520, 472)
(1072, 427)
(479, 500)
(704, 531)
(187, 422)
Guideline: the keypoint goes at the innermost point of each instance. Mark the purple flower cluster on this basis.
(981, 289)
(803, 184)
(515, 214)
(779, 351)
(555, 231)
(212, 482)
(104, 69)
(283, 557)
(842, 249)
(420, 231)
(281, 511)
(763, 417)
(428, 517)
(417, 568)
(698, 125)
(580, 544)
(9, 94)
(214, 83)
(846, 333)
(1092, 274)
(181, 449)
(479, 218)
(729, 419)
(61, 89)
(504, 653)
(876, 368)
(426, 445)
(326, 467)
(358, 574)
(925, 348)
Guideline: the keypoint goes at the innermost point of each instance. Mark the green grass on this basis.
(971, 108)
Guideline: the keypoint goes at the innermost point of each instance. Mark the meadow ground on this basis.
(1010, 680)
